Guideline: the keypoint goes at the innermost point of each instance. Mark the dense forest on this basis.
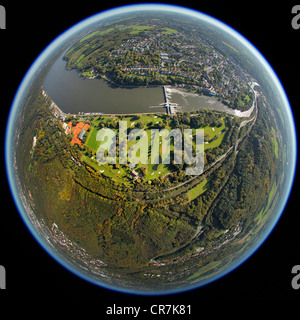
(128, 226)
(163, 226)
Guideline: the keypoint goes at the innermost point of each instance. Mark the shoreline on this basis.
(115, 85)
(170, 89)
(61, 113)
(182, 90)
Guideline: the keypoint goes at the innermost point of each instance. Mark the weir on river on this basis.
(170, 107)
(76, 95)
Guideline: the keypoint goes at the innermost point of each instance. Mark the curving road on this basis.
(243, 123)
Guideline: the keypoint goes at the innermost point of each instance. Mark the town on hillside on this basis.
(155, 52)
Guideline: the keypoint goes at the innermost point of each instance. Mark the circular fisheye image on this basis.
(150, 149)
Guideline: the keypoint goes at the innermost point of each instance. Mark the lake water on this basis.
(74, 94)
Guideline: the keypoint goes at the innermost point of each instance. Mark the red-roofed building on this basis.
(86, 126)
(69, 128)
(76, 131)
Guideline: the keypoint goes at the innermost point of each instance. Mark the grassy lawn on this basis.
(204, 269)
(156, 170)
(138, 29)
(91, 141)
(274, 139)
(108, 170)
(95, 33)
(169, 31)
(198, 190)
(212, 132)
(215, 143)
(152, 170)
(262, 216)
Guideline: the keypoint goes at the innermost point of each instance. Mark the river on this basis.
(192, 101)
(74, 94)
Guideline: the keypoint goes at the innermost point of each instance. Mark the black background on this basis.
(266, 275)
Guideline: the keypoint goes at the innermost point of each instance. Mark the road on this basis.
(243, 123)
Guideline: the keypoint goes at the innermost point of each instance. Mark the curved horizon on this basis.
(61, 39)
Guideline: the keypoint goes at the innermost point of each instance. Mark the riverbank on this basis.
(82, 96)
(191, 101)
(78, 94)
(58, 113)
(123, 86)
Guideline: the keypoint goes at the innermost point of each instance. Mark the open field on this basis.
(215, 135)
(213, 138)
(198, 190)
(274, 139)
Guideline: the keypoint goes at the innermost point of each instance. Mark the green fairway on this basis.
(198, 190)
(91, 140)
(214, 135)
(157, 170)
